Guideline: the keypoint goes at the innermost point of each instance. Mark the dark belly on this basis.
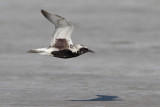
(64, 54)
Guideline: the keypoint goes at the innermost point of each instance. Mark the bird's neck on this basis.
(74, 48)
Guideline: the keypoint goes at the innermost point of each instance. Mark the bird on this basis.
(61, 43)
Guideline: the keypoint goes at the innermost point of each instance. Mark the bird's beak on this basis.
(90, 51)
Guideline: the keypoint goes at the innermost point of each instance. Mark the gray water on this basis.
(124, 71)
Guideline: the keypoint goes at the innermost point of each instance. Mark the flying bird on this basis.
(61, 42)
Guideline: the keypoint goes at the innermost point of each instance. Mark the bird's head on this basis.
(82, 49)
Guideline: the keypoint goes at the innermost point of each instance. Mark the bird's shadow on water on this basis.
(102, 98)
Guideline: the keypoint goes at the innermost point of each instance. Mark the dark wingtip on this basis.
(46, 14)
(43, 12)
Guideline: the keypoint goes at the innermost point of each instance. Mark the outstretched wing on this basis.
(63, 29)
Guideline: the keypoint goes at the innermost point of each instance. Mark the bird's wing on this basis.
(63, 29)
(61, 44)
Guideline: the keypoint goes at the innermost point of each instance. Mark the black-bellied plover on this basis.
(61, 42)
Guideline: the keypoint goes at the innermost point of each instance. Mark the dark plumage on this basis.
(66, 53)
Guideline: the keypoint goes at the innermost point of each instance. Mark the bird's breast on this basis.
(66, 53)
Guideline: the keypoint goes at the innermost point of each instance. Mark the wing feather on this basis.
(63, 28)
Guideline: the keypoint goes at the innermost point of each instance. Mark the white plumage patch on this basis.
(75, 48)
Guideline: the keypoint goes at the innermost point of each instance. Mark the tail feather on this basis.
(42, 51)
(34, 51)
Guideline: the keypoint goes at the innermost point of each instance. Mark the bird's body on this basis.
(61, 42)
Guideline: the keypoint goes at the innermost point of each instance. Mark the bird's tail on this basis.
(42, 51)
(34, 51)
